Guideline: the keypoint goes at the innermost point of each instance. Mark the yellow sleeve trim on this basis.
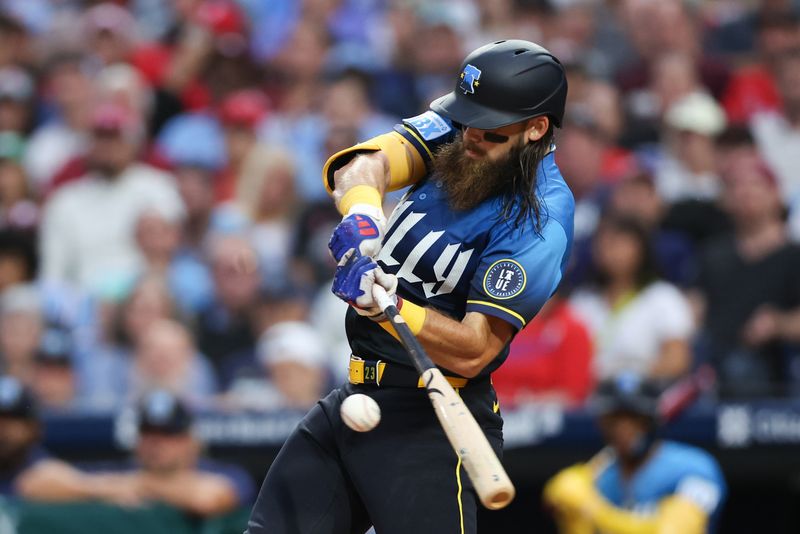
(406, 165)
(675, 515)
(360, 194)
(493, 305)
(414, 316)
(678, 514)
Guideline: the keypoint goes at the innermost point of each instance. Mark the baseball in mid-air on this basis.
(360, 412)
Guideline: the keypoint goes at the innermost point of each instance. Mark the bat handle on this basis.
(381, 297)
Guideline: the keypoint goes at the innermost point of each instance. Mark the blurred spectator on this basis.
(14, 41)
(229, 66)
(17, 92)
(17, 206)
(18, 259)
(189, 281)
(312, 260)
(436, 51)
(581, 148)
(748, 289)
(166, 358)
(157, 238)
(54, 379)
(209, 57)
(778, 134)
(580, 154)
(734, 29)
(64, 135)
(701, 219)
(110, 34)
(122, 85)
(88, 226)
(168, 467)
(346, 108)
(639, 323)
(326, 315)
(203, 219)
(664, 28)
(266, 194)
(193, 145)
(21, 325)
(688, 168)
(549, 361)
(240, 114)
(103, 371)
(225, 331)
(20, 440)
(672, 77)
(673, 250)
(192, 140)
(293, 371)
(753, 87)
(294, 72)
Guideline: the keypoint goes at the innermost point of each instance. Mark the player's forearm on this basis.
(199, 493)
(464, 347)
(370, 170)
(675, 515)
(55, 481)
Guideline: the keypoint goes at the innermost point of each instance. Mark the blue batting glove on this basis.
(353, 283)
(359, 232)
(354, 278)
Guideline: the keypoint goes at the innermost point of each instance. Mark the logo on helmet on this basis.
(469, 79)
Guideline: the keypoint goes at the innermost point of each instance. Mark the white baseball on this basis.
(360, 412)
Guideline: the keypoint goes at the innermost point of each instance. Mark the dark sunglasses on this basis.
(491, 137)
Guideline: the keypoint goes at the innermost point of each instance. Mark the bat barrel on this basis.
(492, 485)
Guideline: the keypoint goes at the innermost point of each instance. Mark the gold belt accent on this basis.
(371, 372)
(361, 373)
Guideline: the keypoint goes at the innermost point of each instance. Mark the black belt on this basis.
(382, 373)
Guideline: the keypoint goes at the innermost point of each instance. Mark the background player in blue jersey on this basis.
(645, 485)
(471, 253)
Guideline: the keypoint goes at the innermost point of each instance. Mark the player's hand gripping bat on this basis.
(672, 402)
(490, 480)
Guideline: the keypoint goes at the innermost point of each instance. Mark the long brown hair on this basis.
(521, 199)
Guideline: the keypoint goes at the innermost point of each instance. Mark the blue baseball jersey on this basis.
(673, 469)
(468, 261)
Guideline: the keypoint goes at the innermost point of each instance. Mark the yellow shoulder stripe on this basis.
(493, 305)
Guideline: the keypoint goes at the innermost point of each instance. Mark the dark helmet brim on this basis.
(467, 112)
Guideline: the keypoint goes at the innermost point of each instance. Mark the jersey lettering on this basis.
(430, 125)
(448, 279)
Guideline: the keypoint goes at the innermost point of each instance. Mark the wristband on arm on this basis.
(362, 199)
(412, 313)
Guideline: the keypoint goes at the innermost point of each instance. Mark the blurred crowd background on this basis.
(163, 222)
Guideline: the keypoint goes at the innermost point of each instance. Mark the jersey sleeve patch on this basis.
(430, 125)
(700, 491)
(504, 279)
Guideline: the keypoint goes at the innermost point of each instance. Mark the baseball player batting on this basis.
(467, 258)
(639, 483)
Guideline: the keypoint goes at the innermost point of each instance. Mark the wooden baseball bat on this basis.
(490, 480)
(671, 403)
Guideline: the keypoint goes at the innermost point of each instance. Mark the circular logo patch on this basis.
(504, 279)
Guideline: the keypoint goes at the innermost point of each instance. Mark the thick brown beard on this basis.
(469, 182)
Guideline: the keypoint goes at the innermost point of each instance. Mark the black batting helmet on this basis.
(506, 82)
(627, 393)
